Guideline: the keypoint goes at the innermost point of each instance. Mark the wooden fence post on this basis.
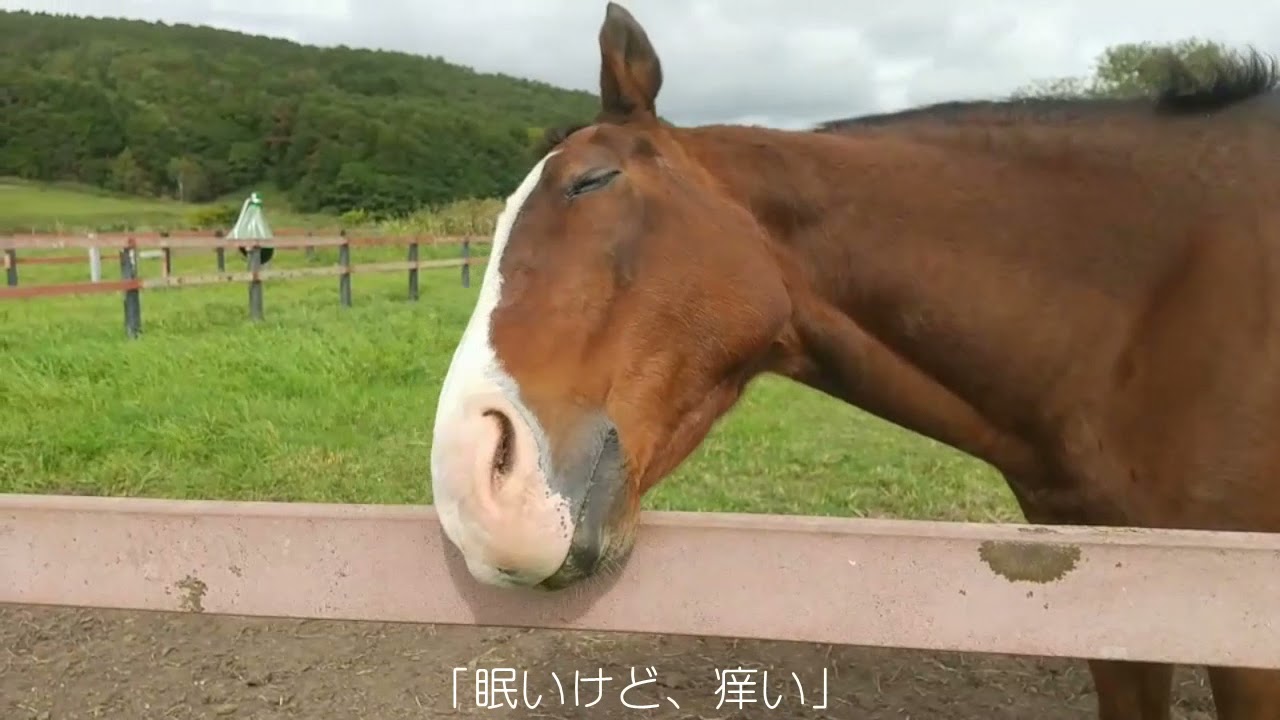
(11, 266)
(220, 253)
(255, 283)
(344, 280)
(413, 271)
(95, 264)
(466, 263)
(132, 299)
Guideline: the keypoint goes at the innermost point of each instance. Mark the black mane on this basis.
(959, 110)
(556, 135)
(1234, 78)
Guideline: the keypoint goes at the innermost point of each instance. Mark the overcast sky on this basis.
(786, 63)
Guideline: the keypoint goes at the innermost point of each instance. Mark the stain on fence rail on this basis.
(1029, 562)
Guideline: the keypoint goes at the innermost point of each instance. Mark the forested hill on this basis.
(194, 113)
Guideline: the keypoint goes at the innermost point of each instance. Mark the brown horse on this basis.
(1085, 295)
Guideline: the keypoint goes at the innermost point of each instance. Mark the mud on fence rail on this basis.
(131, 285)
(1193, 597)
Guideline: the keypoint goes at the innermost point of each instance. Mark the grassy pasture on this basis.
(323, 403)
(64, 207)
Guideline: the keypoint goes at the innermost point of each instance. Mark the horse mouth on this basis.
(594, 546)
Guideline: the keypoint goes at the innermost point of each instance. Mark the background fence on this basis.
(129, 248)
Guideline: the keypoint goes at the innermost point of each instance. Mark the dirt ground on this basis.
(67, 664)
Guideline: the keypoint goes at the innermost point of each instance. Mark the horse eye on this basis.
(591, 180)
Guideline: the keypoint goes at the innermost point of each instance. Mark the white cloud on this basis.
(774, 62)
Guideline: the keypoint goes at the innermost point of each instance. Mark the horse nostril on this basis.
(504, 453)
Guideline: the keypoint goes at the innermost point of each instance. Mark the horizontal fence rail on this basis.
(133, 246)
(209, 240)
(1155, 595)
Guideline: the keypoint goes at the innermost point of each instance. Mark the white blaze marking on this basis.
(474, 360)
(475, 368)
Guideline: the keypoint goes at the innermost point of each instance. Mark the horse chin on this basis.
(602, 541)
(612, 559)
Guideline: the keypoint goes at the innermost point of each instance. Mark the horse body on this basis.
(1082, 294)
(1058, 310)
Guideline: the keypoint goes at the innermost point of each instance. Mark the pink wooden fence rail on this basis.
(1190, 597)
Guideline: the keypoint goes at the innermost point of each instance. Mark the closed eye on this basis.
(591, 180)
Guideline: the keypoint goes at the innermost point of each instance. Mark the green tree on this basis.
(198, 112)
(127, 175)
(188, 177)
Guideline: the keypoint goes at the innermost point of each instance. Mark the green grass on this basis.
(64, 207)
(324, 403)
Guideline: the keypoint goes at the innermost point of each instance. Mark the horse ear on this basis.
(630, 72)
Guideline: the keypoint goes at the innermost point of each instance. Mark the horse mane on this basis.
(556, 135)
(1232, 79)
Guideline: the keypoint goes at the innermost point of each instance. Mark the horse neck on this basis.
(914, 267)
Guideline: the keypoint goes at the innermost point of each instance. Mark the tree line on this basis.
(195, 113)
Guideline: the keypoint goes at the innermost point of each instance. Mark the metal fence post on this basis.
(132, 297)
(466, 263)
(255, 282)
(344, 280)
(220, 253)
(413, 271)
(11, 266)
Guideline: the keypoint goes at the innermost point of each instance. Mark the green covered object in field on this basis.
(252, 225)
